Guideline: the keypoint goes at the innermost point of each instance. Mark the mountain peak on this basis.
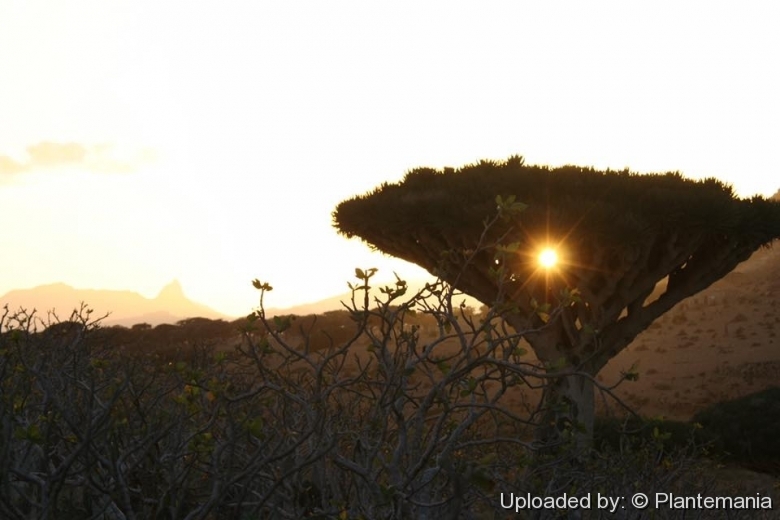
(172, 291)
(125, 307)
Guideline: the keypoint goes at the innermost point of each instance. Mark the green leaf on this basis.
(255, 426)
(657, 435)
(569, 295)
(632, 374)
(32, 433)
(557, 364)
(508, 206)
(282, 324)
(588, 329)
(260, 286)
(508, 248)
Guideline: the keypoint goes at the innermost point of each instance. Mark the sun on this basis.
(548, 258)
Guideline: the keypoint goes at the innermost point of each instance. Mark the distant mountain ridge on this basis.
(126, 307)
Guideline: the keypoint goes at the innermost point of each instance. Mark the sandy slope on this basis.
(719, 344)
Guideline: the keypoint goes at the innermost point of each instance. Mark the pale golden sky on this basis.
(142, 141)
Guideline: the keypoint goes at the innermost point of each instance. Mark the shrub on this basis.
(613, 433)
(270, 430)
(421, 428)
(746, 429)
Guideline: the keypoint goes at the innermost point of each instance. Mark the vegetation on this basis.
(619, 234)
(401, 406)
(746, 430)
(397, 421)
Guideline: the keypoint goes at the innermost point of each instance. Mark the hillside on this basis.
(125, 307)
(719, 344)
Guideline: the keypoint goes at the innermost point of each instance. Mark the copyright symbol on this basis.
(639, 500)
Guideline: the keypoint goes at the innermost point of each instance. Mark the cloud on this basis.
(9, 166)
(102, 158)
(55, 154)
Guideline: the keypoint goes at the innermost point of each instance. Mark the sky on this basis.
(209, 142)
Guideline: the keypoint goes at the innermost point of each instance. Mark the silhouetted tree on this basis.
(618, 234)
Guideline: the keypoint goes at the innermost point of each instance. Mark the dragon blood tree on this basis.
(616, 236)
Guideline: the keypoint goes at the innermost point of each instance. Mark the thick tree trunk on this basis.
(568, 412)
(568, 398)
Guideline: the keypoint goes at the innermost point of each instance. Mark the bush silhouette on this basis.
(746, 430)
(268, 431)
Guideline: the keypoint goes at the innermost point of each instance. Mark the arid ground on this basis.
(717, 345)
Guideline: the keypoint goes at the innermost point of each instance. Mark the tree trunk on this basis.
(568, 399)
(568, 413)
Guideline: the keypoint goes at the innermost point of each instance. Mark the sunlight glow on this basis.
(85, 102)
(548, 258)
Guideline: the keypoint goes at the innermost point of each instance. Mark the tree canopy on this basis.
(610, 207)
(618, 233)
